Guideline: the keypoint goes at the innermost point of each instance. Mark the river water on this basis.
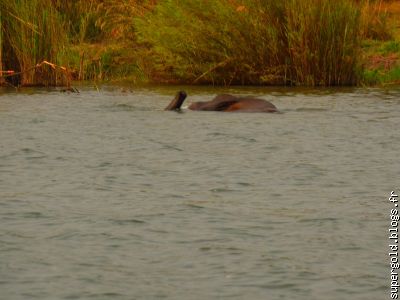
(103, 195)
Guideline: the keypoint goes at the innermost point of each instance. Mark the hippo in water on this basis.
(225, 102)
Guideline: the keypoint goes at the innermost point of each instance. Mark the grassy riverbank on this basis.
(262, 42)
(381, 57)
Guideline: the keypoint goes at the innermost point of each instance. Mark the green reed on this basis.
(300, 42)
(288, 42)
(323, 41)
(32, 31)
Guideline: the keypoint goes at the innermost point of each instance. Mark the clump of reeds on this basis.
(209, 41)
(32, 32)
(116, 18)
(289, 42)
(374, 20)
(295, 42)
(102, 35)
(79, 18)
(323, 41)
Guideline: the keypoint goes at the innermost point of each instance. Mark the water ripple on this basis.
(104, 193)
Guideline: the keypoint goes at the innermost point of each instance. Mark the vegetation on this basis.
(381, 47)
(267, 42)
(31, 32)
(307, 42)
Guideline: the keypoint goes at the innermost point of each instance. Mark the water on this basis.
(103, 195)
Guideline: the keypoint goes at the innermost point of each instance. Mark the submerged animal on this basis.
(226, 103)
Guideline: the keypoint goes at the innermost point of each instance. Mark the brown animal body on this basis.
(225, 103)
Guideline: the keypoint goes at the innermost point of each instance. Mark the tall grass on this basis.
(103, 36)
(116, 18)
(323, 41)
(374, 20)
(301, 42)
(80, 17)
(211, 41)
(32, 31)
(288, 42)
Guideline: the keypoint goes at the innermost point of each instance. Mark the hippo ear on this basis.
(177, 102)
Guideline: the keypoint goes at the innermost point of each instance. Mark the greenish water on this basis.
(103, 195)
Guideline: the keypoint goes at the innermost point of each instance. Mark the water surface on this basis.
(103, 195)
